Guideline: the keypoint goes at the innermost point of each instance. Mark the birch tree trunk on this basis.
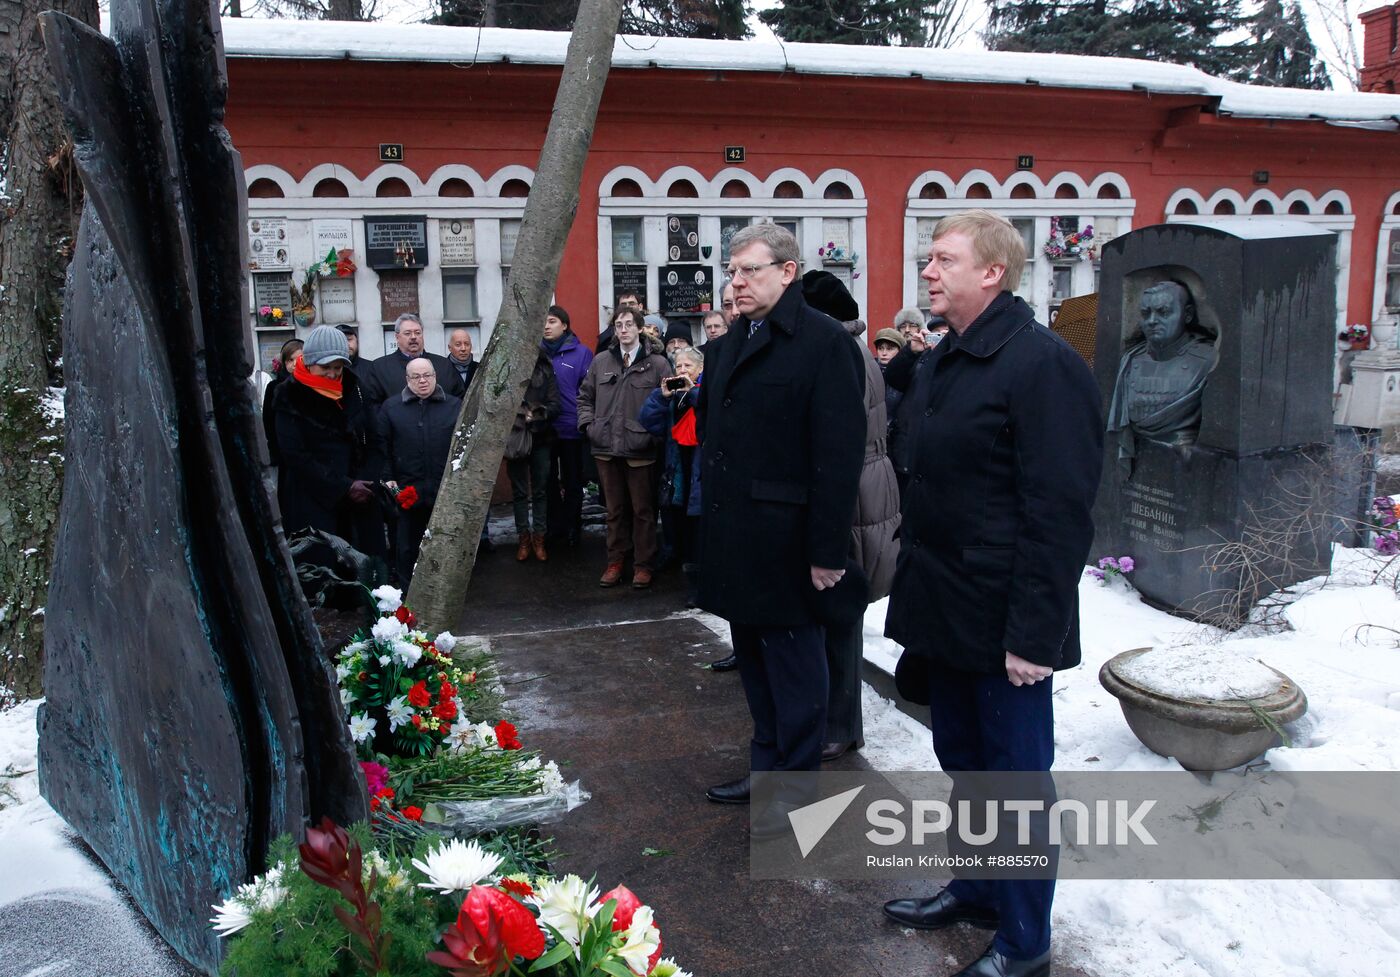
(40, 202)
(449, 549)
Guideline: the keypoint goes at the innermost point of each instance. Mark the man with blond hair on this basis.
(1005, 462)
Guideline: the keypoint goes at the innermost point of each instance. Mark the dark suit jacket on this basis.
(384, 378)
(782, 420)
(1004, 461)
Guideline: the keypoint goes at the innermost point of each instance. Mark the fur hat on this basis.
(827, 293)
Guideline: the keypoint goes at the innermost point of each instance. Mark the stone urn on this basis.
(1199, 714)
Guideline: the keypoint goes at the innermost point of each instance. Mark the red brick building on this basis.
(422, 141)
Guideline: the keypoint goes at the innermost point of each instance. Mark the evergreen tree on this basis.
(850, 21)
(1281, 53)
(724, 19)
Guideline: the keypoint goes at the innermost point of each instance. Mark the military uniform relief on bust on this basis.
(1160, 380)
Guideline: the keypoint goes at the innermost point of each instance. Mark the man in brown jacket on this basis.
(609, 402)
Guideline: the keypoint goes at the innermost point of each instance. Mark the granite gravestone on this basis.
(191, 714)
(1214, 359)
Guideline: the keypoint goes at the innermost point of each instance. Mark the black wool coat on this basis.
(384, 377)
(323, 446)
(782, 425)
(1004, 460)
(417, 435)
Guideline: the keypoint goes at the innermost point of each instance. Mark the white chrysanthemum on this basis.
(666, 967)
(445, 642)
(565, 904)
(388, 630)
(551, 780)
(456, 866)
(390, 598)
(407, 653)
(533, 763)
(400, 713)
(461, 736)
(351, 650)
(237, 911)
(485, 735)
(361, 727)
(342, 672)
(384, 660)
(641, 940)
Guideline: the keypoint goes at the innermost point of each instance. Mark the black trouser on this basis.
(845, 647)
(412, 524)
(565, 490)
(784, 675)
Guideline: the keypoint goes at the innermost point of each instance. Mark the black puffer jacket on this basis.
(323, 445)
(417, 435)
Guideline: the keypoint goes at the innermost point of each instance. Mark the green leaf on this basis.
(615, 967)
(560, 951)
(656, 852)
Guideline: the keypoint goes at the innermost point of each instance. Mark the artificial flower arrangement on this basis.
(336, 906)
(1111, 569)
(1385, 525)
(837, 254)
(271, 315)
(1356, 335)
(1073, 245)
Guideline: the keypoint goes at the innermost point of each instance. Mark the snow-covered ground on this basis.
(1343, 649)
(1342, 655)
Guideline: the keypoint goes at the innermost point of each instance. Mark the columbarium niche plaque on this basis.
(1214, 360)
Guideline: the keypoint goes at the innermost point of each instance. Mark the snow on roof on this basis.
(337, 40)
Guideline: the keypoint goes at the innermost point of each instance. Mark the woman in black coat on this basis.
(328, 449)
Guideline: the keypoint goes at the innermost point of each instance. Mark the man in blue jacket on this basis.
(1005, 456)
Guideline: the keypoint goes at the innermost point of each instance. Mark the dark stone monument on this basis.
(1214, 359)
(191, 713)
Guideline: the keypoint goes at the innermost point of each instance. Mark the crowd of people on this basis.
(796, 478)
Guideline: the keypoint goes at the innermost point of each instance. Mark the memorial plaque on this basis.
(923, 238)
(456, 242)
(1214, 360)
(836, 237)
(273, 290)
(270, 347)
(333, 234)
(683, 237)
(631, 278)
(396, 241)
(337, 300)
(267, 244)
(398, 293)
(687, 288)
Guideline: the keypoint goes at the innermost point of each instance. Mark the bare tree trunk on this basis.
(41, 200)
(449, 548)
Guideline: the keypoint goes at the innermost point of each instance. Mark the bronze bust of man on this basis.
(1160, 380)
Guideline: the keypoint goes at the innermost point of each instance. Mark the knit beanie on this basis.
(326, 344)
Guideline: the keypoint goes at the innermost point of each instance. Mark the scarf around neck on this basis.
(324, 386)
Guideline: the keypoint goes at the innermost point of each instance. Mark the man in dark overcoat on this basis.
(416, 426)
(384, 377)
(783, 432)
(1004, 465)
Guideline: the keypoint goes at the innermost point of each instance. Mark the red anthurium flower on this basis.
(404, 615)
(419, 695)
(627, 906)
(412, 813)
(506, 736)
(491, 930)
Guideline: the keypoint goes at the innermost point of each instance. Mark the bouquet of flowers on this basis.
(1355, 334)
(271, 315)
(837, 253)
(407, 497)
(1385, 522)
(402, 690)
(332, 906)
(1112, 568)
(1073, 245)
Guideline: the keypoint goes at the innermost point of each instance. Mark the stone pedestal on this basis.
(1252, 503)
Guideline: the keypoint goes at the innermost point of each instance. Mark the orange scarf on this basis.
(324, 386)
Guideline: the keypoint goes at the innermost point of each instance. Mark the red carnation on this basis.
(419, 695)
(506, 736)
(412, 813)
(407, 498)
(405, 616)
(491, 930)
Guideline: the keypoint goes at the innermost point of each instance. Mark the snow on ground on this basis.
(1344, 651)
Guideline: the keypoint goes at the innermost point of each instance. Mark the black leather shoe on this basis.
(832, 751)
(731, 792)
(938, 912)
(996, 964)
(772, 823)
(725, 664)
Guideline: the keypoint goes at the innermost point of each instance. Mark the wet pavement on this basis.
(611, 684)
